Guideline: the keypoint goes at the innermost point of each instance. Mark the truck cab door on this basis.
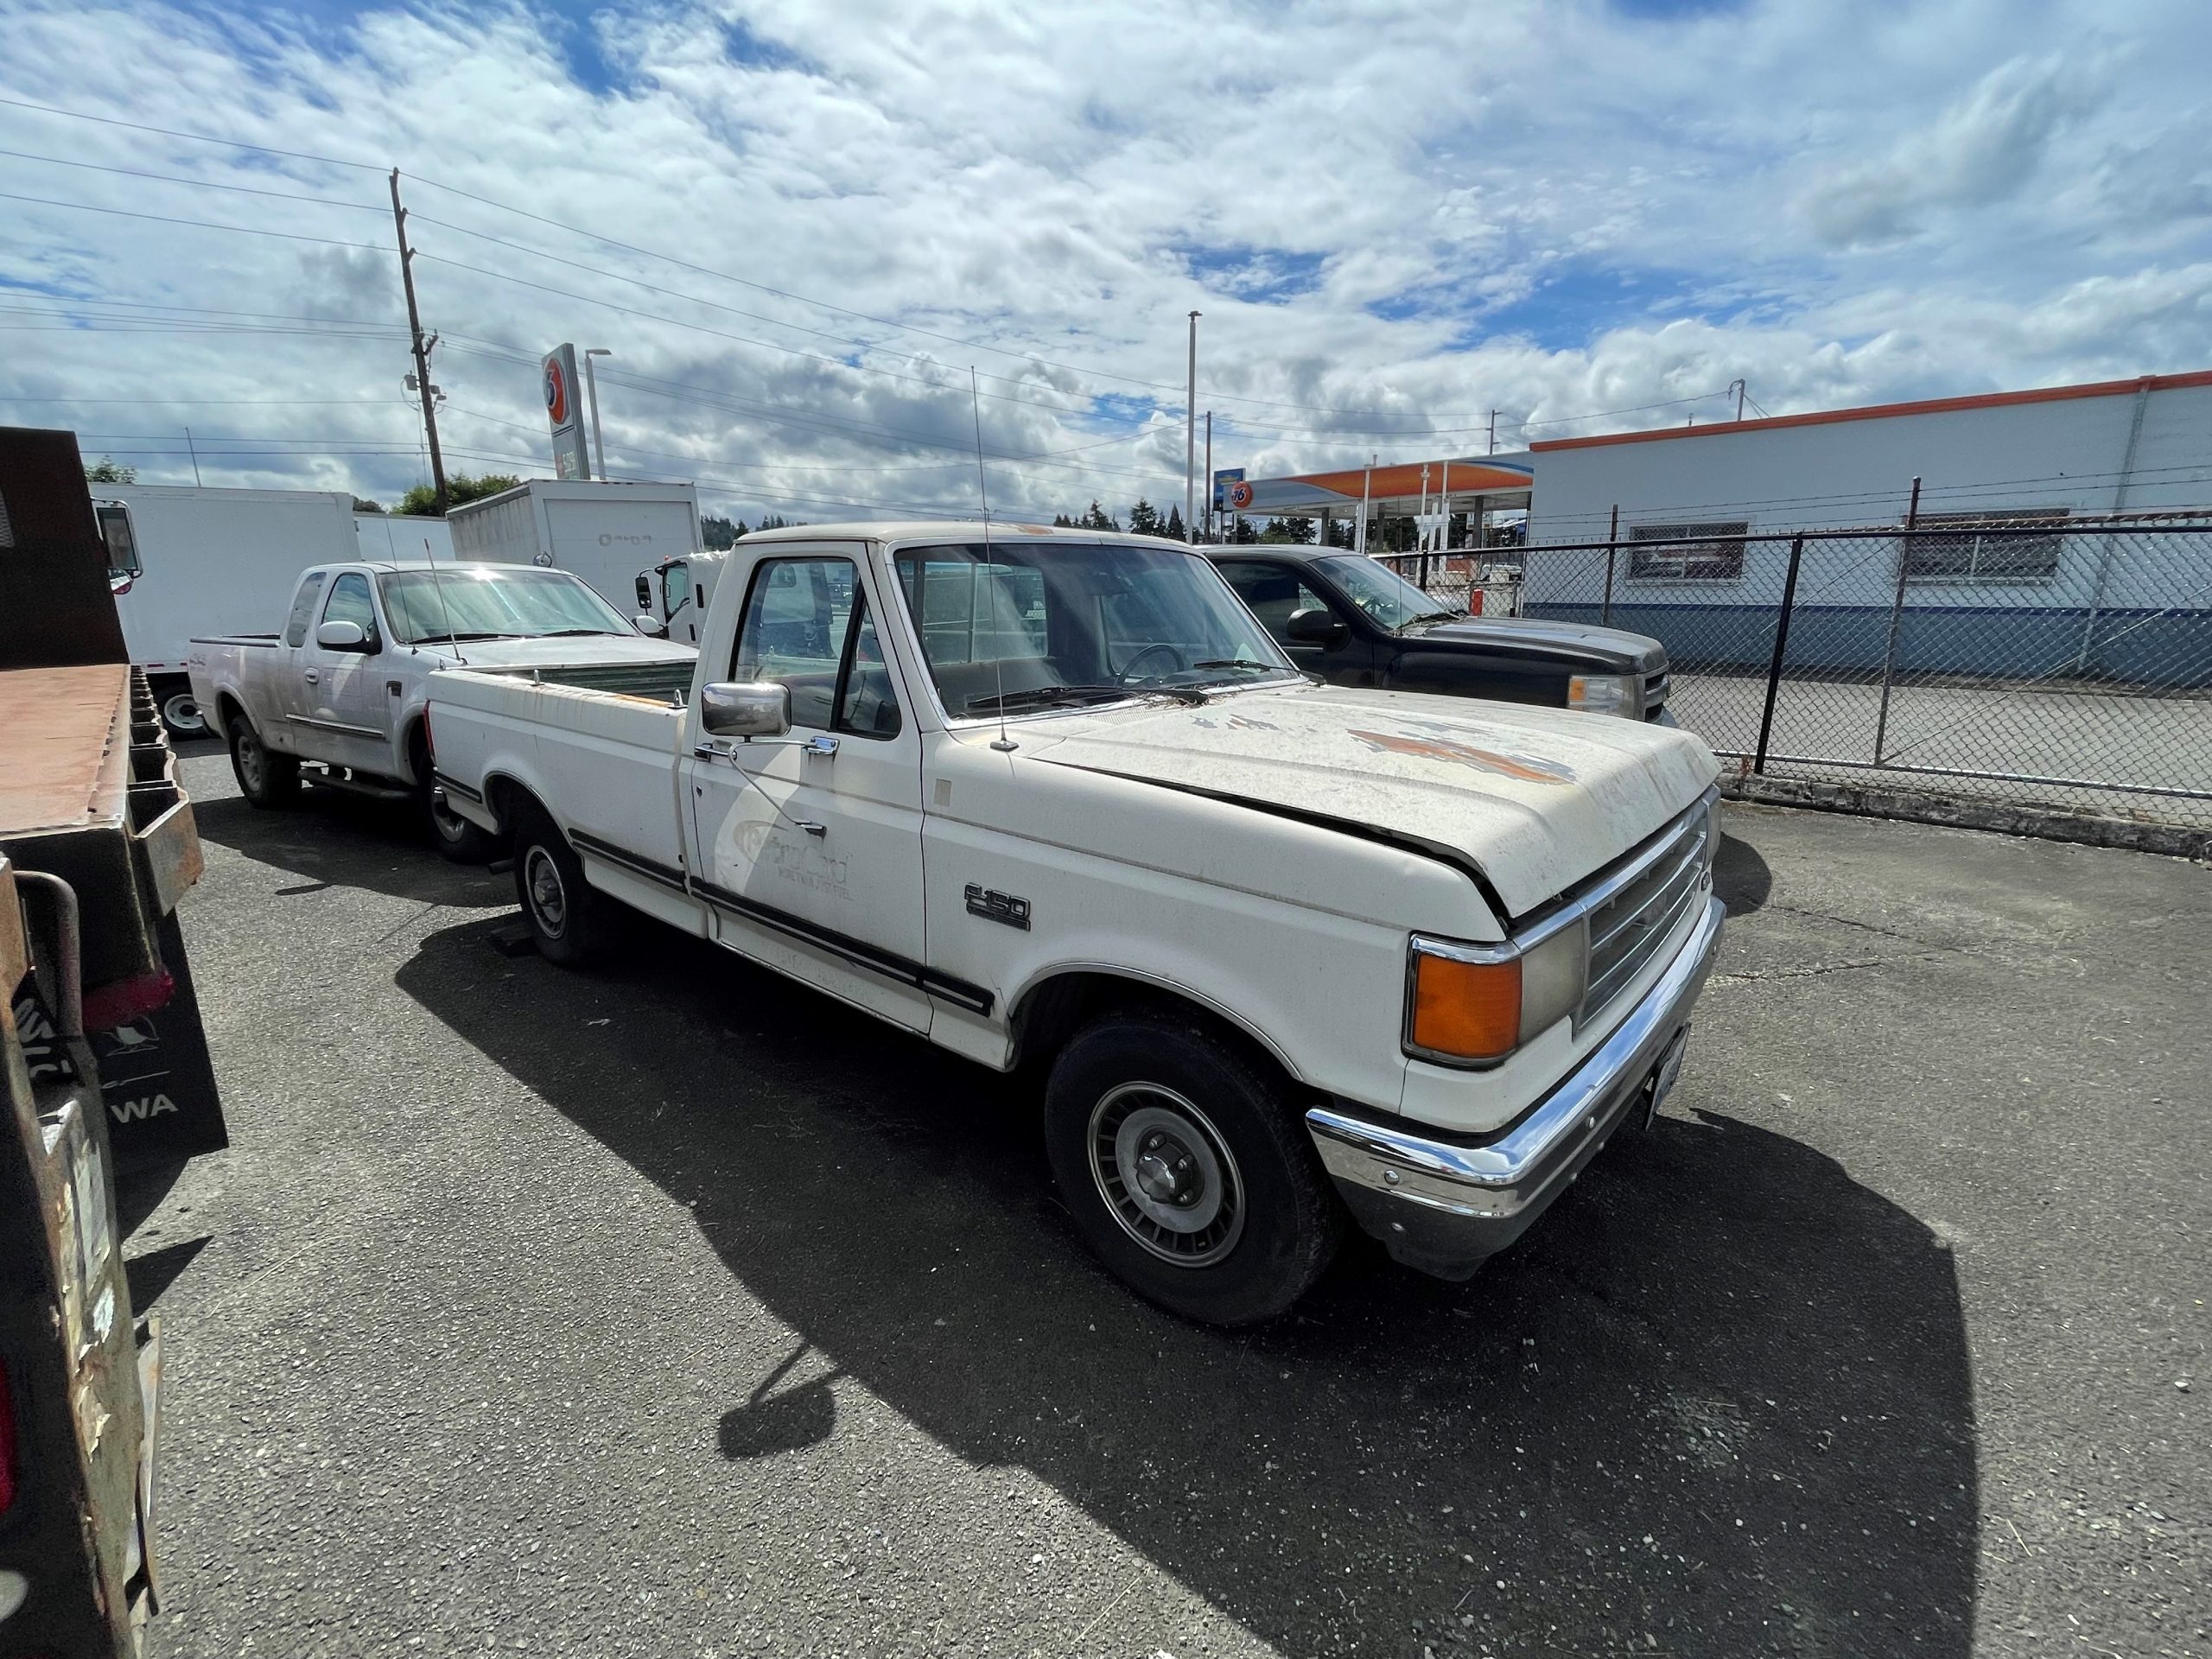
(341, 687)
(284, 691)
(808, 848)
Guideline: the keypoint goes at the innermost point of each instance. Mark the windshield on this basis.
(1037, 625)
(481, 601)
(1386, 596)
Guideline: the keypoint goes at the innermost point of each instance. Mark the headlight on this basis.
(1474, 1004)
(1606, 694)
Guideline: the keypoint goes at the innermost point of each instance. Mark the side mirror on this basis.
(1314, 628)
(645, 592)
(651, 627)
(342, 636)
(759, 708)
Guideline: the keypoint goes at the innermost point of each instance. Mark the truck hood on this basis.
(1614, 648)
(573, 651)
(1536, 799)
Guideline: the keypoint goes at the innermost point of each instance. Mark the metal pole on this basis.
(2119, 502)
(195, 452)
(1612, 535)
(1187, 526)
(421, 351)
(591, 382)
(1896, 615)
(1444, 537)
(1493, 431)
(1366, 488)
(1191, 438)
(1781, 645)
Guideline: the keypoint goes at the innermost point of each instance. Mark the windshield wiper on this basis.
(1045, 694)
(462, 639)
(1238, 662)
(569, 633)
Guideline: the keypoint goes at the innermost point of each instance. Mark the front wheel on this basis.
(567, 918)
(265, 779)
(1187, 1168)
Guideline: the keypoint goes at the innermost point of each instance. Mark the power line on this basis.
(199, 224)
(203, 184)
(196, 138)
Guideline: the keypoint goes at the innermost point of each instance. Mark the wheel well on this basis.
(1053, 1010)
(503, 796)
(227, 709)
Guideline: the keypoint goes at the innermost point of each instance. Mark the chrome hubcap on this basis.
(547, 897)
(1165, 1174)
(249, 762)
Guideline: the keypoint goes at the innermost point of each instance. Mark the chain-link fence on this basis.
(1454, 579)
(2060, 663)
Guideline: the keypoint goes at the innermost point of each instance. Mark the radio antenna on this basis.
(1005, 744)
(452, 639)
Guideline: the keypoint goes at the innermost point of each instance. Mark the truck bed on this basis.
(597, 746)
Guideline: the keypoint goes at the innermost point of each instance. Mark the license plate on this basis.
(1664, 1073)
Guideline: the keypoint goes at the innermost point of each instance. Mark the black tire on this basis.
(567, 918)
(1250, 1220)
(269, 781)
(451, 833)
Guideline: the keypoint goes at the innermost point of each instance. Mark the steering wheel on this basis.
(1129, 668)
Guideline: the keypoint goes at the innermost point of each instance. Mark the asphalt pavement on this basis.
(674, 1310)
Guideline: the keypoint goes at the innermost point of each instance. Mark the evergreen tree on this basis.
(1144, 519)
(1061, 521)
(108, 470)
(720, 533)
(423, 500)
(1098, 519)
(1172, 529)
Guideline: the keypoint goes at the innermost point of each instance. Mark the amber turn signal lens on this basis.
(1470, 1010)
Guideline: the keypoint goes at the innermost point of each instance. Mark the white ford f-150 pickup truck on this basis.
(1289, 953)
(345, 684)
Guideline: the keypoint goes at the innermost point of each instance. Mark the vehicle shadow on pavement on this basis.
(1718, 1402)
(333, 839)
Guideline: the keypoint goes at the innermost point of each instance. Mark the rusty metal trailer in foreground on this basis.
(102, 1061)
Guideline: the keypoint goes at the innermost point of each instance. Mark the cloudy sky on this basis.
(797, 225)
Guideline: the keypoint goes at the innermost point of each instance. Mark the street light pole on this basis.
(591, 384)
(1191, 437)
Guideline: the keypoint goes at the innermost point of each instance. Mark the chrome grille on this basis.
(1629, 923)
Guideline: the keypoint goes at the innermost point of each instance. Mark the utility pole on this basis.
(194, 449)
(1493, 431)
(422, 349)
(1191, 438)
(1737, 386)
(1187, 525)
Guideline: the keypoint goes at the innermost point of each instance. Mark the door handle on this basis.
(314, 678)
(810, 827)
(824, 747)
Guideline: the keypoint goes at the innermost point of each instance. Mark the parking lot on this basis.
(678, 1310)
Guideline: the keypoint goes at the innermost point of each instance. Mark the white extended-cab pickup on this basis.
(345, 684)
(1289, 952)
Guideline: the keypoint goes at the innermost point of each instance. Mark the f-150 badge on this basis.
(998, 906)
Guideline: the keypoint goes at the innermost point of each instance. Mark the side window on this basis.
(867, 707)
(350, 602)
(296, 629)
(805, 626)
(1273, 592)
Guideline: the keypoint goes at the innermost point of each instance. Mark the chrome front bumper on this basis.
(1446, 1206)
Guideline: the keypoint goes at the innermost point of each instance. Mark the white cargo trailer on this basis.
(397, 536)
(209, 559)
(605, 532)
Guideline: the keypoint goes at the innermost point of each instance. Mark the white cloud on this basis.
(1417, 214)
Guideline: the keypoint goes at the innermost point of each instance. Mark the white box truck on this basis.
(209, 559)
(605, 532)
(402, 537)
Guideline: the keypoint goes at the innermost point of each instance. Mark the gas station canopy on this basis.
(1485, 483)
